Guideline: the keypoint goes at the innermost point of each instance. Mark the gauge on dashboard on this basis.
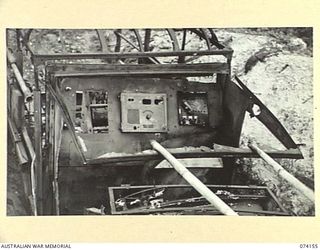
(193, 109)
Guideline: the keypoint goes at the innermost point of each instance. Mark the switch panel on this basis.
(143, 112)
(193, 109)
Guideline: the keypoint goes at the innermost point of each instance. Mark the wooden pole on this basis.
(194, 181)
(283, 173)
(25, 90)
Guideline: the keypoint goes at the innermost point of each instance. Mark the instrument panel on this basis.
(143, 112)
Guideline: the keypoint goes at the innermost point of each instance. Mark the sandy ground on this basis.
(289, 95)
(286, 92)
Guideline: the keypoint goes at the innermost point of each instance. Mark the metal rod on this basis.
(205, 36)
(174, 39)
(25, 90)
(194, 181)
(182, 58)
(127, 40)
(32, 170)
(122, 55)
(102, 40)
(25, 40)
(18, 39)
(139, 39)
(118, 42)
(184, 39)
(195, 153)
(206, 208)
(147, 36)
(20, 149)
(38, 148)
(62, 40)
(134, 46)
(214, 39)
(283, 173)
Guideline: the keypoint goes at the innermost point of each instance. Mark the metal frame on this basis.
(198, 153)
(204, 208)
(145, 58)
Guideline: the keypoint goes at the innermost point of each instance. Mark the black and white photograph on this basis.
(170, 121)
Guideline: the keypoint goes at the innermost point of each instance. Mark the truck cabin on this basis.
(96, 113)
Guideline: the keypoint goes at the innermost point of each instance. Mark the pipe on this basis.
(25, 90)
(283, 173)
(32, 172)
(20, 149)
(155, 61)
(194, 181)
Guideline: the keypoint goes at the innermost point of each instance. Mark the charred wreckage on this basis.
(137, 132)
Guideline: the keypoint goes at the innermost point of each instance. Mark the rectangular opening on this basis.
(98, 105)
(91, 111)
(78, 113)
(79, 95)
(99, 118)
(193, 109)
(146, 101)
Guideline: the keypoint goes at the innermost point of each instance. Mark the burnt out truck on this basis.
(86, 126)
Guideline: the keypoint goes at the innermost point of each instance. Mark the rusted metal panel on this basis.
(101, 143)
